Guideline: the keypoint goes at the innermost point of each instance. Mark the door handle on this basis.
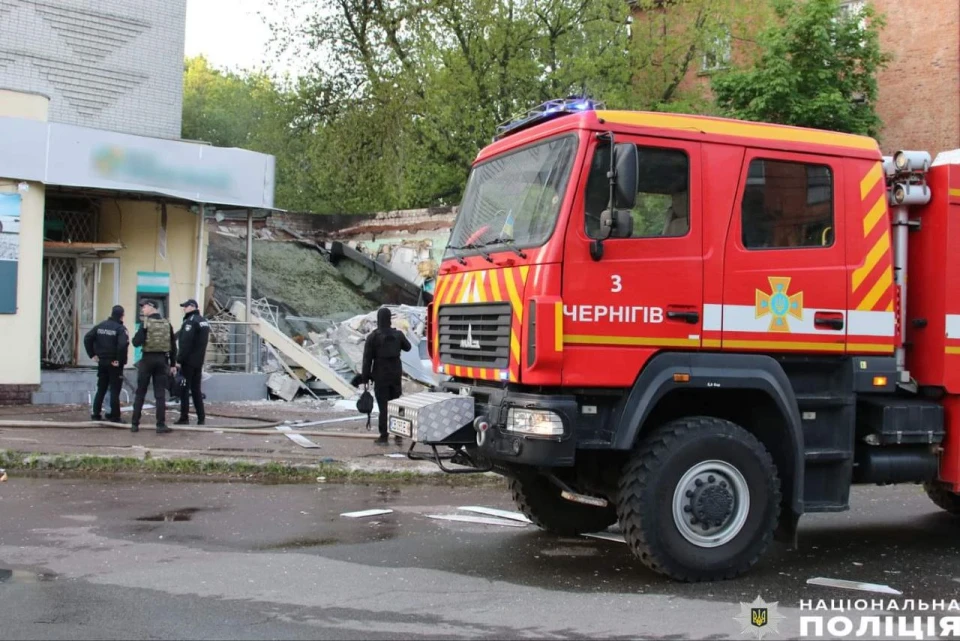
(689, 317)
(828, 320)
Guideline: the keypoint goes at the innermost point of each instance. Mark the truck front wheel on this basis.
(540, 501)
(699, 500)
(943, 498)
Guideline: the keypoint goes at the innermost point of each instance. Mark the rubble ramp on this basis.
(286, 346)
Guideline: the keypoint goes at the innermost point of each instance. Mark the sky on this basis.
(228, 32)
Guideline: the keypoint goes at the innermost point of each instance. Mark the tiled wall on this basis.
(108, 64)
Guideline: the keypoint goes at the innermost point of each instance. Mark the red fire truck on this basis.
(697, 328)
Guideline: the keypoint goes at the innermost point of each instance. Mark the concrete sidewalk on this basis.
(349, 444)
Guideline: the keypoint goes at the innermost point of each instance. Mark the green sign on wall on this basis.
(9, 251)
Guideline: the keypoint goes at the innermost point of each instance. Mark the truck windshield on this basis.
(514, 199)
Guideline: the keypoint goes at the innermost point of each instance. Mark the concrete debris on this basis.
(607, 536)
(299, 439)
(283, 385)
(483, 520)
(853, 585)
(341, 346)
(503, 514)
(365, 513)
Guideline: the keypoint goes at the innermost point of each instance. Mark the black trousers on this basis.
(384, 393)
(108, 378)
(152, 367)
(193, 376)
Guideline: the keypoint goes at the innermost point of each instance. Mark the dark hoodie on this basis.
(381, 352)
(109, 340)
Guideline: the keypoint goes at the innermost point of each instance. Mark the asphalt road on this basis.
(111, 560)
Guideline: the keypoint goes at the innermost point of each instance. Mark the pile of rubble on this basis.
(341, 346)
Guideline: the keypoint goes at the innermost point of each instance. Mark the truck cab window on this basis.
(787, 204)
(663, 199)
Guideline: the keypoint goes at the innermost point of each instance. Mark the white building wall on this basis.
(108, 64)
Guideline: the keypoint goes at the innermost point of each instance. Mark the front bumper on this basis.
(492, 406)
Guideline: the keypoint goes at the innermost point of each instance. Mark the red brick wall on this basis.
(919, 99)
(919, 93)
(17, 394)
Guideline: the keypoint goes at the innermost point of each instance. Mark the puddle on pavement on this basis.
(23, 576)
(183, 514)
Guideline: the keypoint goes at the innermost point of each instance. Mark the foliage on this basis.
(817, 68)
(401, 94)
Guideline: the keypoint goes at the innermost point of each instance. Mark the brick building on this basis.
(919, 92)
(105, 64)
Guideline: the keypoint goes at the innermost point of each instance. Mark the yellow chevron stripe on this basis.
(558, 327)
(874, 215)
(873, 257)
(514, 294)
(890, 306)
(870, 180)
(955, 193)
(457, 286)
(473, 296)
(481, 290)
(483, 373)
(495, 287)
(443, 288)
(524, 270)
(878, 290)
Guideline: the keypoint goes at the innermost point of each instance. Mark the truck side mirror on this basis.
(616, 224)
(628, 172)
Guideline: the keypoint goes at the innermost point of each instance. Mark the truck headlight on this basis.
(538, 422)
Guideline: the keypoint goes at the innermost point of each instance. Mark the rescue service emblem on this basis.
(779, 304)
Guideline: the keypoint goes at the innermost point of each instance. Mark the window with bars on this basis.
(71, 220)
(61, 296)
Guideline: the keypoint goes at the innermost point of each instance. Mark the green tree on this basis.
(251, 111)
(401, 94)
(817, 68)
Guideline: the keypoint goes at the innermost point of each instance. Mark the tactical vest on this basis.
(158, 335)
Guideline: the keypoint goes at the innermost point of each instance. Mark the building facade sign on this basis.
(72, 156)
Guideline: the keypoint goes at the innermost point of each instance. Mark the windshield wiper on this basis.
(508, 243)
(478, 246)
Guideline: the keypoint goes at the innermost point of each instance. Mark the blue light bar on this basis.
(547, 111)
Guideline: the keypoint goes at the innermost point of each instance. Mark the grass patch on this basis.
(34, 464)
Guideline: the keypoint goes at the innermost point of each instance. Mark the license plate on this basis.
(400, 426)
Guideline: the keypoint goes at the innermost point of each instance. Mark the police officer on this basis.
(107, 344)
(381, 364)
(194, 335)
(156, 338)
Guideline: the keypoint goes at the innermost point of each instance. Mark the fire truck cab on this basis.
(697, 328)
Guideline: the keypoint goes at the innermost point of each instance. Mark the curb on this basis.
(36, 464)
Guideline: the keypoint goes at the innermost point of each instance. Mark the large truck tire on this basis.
(699, 500)
(943, 498)
(540, 501)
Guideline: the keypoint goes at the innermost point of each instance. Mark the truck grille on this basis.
(475, 335)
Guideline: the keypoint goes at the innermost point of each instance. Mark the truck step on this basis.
(826, 455)
(820, 401)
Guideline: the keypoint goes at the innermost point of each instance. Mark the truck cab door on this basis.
(785, 285)
(645, 294)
